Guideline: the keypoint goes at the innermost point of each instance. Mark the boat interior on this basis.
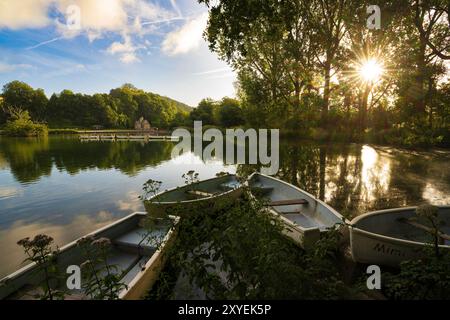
(291, 203)
(200, 190)
(406, 225)
(132, 247)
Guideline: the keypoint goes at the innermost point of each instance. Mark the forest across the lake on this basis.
(312, 70)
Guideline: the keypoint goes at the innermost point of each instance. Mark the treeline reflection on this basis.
(351, 178)
(31, 159)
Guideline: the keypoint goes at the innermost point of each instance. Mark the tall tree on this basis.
(326, 19)
(20, 95)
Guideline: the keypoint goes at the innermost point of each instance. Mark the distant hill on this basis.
(179, 105)
(119, 108)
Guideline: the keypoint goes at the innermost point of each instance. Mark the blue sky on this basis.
(92, 46)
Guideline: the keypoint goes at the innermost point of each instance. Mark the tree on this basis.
(204, 112)
(21, 125)
(230, 113)
(3, 115)
(181, 119)
(20, 95)
(251, 36)
(126, 103)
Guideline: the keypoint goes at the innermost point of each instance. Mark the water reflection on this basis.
(67, 188)
(355, 179)
(31, 159)
(11, 255)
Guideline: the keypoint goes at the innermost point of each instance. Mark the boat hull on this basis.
(166, 203)
(144, 281)
(372, 247)
(14, 286)
(317, 215)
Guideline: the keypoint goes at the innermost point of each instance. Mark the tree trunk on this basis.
(326, 91)
(420, 78)
(322, 171)
(430, 101)
(363, 108)
(297, 94)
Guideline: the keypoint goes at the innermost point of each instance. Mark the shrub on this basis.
(21, 125)
(428, 279)
(239, 253)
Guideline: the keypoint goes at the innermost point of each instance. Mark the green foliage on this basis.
(102, 281)
(118, 109)
(428, 278)
(230, 113)
(297, 64)
(39, 251)
(150, 188)
(181, 119)
(238, 252)
(225, 113)
(20, 125)
(204, 112)
(190, 177)
(18, 94)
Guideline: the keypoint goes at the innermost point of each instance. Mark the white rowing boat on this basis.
(207, 193)
(389, 237)
(138, 254)
(304, 216)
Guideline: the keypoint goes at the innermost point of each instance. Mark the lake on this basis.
(66, 188)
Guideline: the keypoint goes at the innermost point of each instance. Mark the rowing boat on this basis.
(389, 237)
(137, 253)
(199, 195)
(304, 217)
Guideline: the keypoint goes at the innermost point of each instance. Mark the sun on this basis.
(370, 71)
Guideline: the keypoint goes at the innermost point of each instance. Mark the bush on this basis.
(21, 125)
(238, 252)
(428, 279)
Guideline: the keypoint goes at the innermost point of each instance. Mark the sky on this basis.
(92, 46)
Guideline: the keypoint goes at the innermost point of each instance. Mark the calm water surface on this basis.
(67, 188)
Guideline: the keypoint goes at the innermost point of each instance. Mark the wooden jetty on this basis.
(126, 135)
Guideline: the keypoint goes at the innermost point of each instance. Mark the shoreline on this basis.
(284, 134)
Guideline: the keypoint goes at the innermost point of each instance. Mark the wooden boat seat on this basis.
(288, 203)
(122, 259)
(139, 241)
(303, 220)
(200, 194)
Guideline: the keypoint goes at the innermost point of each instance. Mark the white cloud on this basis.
(131, 19)
(148, 11)
(118, 16)
(18, 14)
(131, 203)
(5, 67)
(9, 192)
(126, 50)
(187, 38)
(99, 15)
(129, 58)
